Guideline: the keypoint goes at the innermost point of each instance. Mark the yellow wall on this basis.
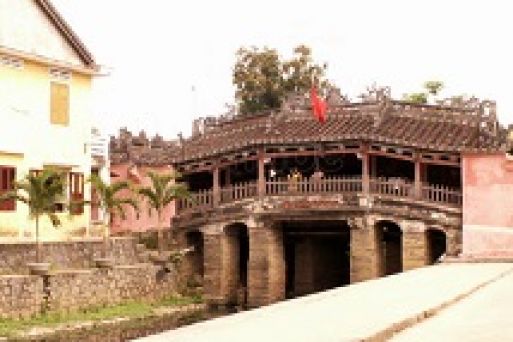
(29, 141)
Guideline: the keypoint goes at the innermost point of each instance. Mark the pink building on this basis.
(487, 204)
(132, 157)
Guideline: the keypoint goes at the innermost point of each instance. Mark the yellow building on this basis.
(45, 119)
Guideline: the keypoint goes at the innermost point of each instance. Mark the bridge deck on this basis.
(484, 316)
(362, 311)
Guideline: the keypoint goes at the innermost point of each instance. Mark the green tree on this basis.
(159, 195)
(111, 202)
(41, 192)
(418, 98)
(301, 70)
(433, 87)
(262, 78)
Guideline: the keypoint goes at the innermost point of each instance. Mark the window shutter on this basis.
(7, 179)
(59, 104)
(76, 190)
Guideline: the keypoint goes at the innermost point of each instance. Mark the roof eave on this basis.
(94, 70)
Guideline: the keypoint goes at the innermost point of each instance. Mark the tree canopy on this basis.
(41, 192)
(163, 190)
(110, 199)
(262, 78)
(432, 88)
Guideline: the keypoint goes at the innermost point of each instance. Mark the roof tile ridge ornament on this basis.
(381, 97)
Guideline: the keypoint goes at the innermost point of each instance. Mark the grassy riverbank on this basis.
(128, 310)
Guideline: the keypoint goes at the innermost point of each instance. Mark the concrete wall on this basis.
(24, 27)
(30, 141)
(142, 221)
(63, 255)
(487, 205)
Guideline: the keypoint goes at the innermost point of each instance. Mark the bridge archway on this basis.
(236, 261)
(317, 256)
(436, 243)
(194, 260)
(390, 251)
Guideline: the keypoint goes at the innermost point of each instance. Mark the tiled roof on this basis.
(425, 127)
(139, 150)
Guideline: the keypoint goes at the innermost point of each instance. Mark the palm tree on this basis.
(159, 195)
(110, 202)
(41, 192)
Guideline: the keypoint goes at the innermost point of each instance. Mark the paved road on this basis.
(487, 315)
(348, 313)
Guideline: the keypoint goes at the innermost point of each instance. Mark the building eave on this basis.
(87, 70)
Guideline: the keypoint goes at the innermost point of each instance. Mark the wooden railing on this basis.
(327, 185)
(441, 194)
(198, 200)
(391, 186)
(394, 187)
(237, 192)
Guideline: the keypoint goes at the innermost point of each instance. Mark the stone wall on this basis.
(20, 296)
(64, 255)
(67, 291)
(74, 290)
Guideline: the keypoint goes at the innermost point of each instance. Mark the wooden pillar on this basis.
(365, 171)
(261, 173)
(216, 190)
(418, 178)
(373, 167)
(227, 177)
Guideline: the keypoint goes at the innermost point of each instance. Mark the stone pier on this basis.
(365, 263)
(266, 267)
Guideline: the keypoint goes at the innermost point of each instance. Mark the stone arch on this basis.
(236, 242)
(194, 258)
(389, 247)
(436, 244)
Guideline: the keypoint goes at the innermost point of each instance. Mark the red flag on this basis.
(318, 105)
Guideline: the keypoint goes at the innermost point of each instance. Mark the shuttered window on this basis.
(7, 178)
(59, 104)
(76, 190)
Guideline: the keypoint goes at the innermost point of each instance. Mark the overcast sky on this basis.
(159, 51)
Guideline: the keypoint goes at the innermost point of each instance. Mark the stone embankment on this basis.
(67, 254)
(73, 284)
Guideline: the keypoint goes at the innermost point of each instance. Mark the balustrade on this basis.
(238, 192)
(393, 187)
(202, 199)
